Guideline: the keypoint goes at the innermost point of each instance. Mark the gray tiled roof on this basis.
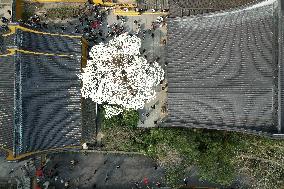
(222, 71)
(281, 67)
(10, 41)
(40, 104)
(179, 8)
(47, 43)
(51, 102)
(7, 102)
(2, 46)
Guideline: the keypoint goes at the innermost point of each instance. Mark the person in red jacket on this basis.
(146, 181)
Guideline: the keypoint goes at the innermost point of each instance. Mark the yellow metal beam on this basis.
(38, 53)
(155, 13)
(118, 11)
(59, 1)
(106, 4)
(97, 2)
(13, 51)
(126, 5)
(9, 153)
(11, 157)
(13, 30)
(84, 53)
(128, 13)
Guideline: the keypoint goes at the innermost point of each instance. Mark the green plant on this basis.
(128, 118)
(218, 156)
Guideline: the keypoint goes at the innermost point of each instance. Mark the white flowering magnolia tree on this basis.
(118, 75)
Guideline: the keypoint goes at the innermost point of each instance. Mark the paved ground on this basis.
(20, 171)
(5, 5)
(100, 169)
(154, 49)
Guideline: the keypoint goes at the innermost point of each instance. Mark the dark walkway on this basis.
(101, 170)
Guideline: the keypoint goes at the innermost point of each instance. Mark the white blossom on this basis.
(118, 75)
(112, 110)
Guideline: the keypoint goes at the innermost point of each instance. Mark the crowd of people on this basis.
(90, 22)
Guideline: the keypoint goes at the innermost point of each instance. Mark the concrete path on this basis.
(101, 170)
(19, 171)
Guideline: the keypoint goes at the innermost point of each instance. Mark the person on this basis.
(137, 184)
(12, 170)
(46, 184)
(56, 165)
(155, 166)
(73, 162)
(185, 181)
(4, 20)
(106, 178)
(158, 184)
(44, 25)
(146, 181)
(152, 35)
(66, 184)
(105, 161)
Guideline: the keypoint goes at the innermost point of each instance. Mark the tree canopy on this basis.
(118, 75)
